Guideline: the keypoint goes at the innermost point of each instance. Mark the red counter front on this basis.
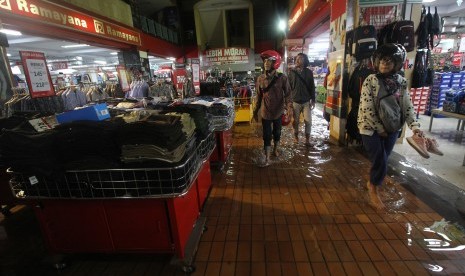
(156, 225)
(223, 146)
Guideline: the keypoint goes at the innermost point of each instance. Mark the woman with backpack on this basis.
(380, 137)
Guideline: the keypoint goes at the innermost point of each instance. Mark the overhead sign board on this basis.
(62, 16)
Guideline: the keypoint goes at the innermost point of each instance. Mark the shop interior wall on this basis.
(114, 9)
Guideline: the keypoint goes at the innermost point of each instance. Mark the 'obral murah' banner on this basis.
(58, 15)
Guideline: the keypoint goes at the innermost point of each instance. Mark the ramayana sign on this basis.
(68, 18)
(227, 56)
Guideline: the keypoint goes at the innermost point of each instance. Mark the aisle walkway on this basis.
(306, 214)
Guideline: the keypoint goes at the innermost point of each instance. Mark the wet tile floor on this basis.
(305, 214)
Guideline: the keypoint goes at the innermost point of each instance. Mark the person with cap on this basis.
(273, 99)
(303, 95)
(378, 143)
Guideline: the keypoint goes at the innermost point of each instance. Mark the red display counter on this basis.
(151, 210)
(223, 146)
(144, 225)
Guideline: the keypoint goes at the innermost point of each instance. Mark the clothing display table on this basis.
(154, 210)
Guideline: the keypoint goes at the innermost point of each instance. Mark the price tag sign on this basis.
(37, 75)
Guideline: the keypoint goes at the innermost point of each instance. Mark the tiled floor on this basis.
(306, 214)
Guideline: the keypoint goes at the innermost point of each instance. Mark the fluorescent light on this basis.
(100, 62)
(74, 46)
(113, 53)
(8, 55)
(15, 70)
(282, 25)
(10, 32)
(428, 1)
(171, 58)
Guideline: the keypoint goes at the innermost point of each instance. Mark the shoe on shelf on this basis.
(418, 142)
(433, 146)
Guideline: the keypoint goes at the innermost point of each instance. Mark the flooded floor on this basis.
(305, 214)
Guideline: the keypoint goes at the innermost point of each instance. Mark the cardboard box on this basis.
(96, 112)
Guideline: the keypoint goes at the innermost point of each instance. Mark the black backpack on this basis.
(422, 31)
(419, 69)
(436, 25)
(365, 42)
(403, 32)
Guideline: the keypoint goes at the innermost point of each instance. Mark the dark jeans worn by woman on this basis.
(378, 149)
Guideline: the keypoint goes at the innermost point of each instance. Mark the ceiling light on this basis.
(78, 58)
(113, 53)
(8, 55)
(10, 32)
(100, 62)
(282, 25)
(459, 2)
(74, 46)
(428, 1)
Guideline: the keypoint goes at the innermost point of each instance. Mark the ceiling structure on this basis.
(100, 56)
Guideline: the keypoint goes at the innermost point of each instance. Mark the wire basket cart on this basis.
(115, 183)
(154, 210)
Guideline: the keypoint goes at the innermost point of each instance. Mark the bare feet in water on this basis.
(374, 199)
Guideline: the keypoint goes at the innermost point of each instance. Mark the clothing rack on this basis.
(21, 101)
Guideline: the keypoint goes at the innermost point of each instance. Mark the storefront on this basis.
(79, 40)
(78, 45)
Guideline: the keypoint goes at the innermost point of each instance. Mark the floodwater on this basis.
(423, 212)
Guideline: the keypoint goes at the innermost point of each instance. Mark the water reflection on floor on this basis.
(413, 230)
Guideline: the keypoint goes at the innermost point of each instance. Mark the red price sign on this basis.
(37, 76)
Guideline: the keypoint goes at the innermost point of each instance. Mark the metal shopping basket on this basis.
(163, 182)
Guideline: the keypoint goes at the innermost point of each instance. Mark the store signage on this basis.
(437, 50)
(123, 78)
(299, 9)
(65, 17)
(227, 56)
(59, 65)
(296, 48)
(196, 74)
(37, 76)
(456, 59)
(367, 3)
(296, 13)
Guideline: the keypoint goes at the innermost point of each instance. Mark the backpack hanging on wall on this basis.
(436, 25)
(422, 31)
(419, 69)
(403, 33)
(365, 42)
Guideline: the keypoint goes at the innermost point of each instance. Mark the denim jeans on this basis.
(378, 149)
(271, 127)
(302, 108)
